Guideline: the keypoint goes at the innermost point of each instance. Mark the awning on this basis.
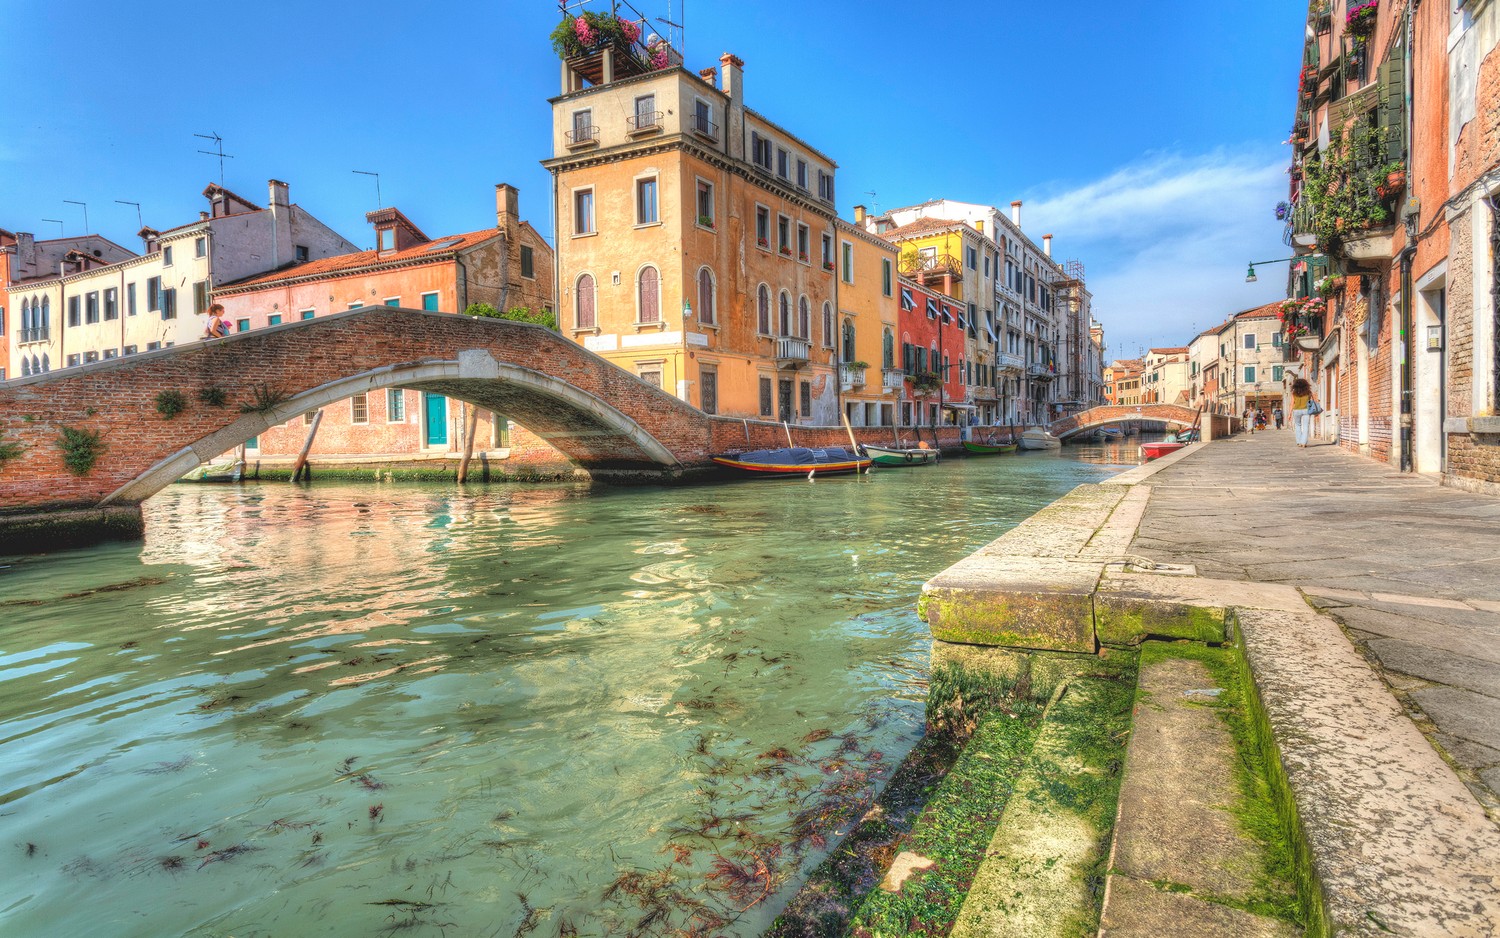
(991, 330)
(907, 303)
(955, 405)
(932, 308)
(962, 322)
(947, 316)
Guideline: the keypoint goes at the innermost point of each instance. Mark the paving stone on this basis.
(1134, 909)
(1445, 638)
(1438, 665)
(1468, 753)
(1462, 713)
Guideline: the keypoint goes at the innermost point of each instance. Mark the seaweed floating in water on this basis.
(228, 853)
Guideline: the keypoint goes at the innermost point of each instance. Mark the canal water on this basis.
(360, 709)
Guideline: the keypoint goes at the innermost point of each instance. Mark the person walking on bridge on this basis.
(1302, 400)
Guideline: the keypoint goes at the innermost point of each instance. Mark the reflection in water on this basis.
(351, 710)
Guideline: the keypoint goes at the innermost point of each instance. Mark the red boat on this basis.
(1159, 449)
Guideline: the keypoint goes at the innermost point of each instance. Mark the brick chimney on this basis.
(150, 239)
(281, 222)
(25, 249)
(710, 75)
(507, 208)
(1015, 213)
(732, 69)
(1047, 244)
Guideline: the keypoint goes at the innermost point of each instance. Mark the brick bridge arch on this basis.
(1108, 414)
(605, 419)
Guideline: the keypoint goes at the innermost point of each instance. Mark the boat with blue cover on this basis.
(796, 460)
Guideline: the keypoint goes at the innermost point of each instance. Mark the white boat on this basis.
(1039, 438)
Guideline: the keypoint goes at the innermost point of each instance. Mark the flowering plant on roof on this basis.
(631, 31)
(659, 59)
(1361, 18)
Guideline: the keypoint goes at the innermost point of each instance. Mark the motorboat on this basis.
(796, 460)
(901, 456)
(977, 448)
(1039, 438)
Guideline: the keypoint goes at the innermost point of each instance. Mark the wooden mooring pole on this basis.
(301, 462)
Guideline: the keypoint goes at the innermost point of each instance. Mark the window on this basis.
(583, 126)
(128, 350)
(802, 174)
(825, 186)
(200, 246)
(200, 297)
(395, 405)
(112, 303)
(784, 235)
(888, 350)
(242, 325)
(648, 296)
(169, 304)
(430, 302)
(359, 409)
(971, 258)
(703, 118)
(804, 318)
(784, 321)
(708, 384)
(130, 299)
(307, 314)
(90, 357)
(885, 276)
(848, 350)
(1276, 340)
(391, 301)
(387, 239)
(848, 265)
(166, 256)
(91, 307)
(357, 304)
(1277, 372)
(650, 373)
(783, 163)
(805, 398)
(645, 201)
(72, 361)
(828, 252)
(828, 325)
(645, 112)
(705, 203)
(804, 242)
(1250, 340)
(766, 403)
(763, 317)
(528, 262)
(583, 212)
(301, 253)
(760, 151)
(274, 319)
(706, 296)
(763, 226)
(152, 346)
(1249, 374)
(153, 294)
(583, 303)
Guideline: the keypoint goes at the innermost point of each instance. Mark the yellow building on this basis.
(870, 378)
(695, 238)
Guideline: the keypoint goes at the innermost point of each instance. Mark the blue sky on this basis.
(1146, 136)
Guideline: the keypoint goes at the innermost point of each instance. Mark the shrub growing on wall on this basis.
(515, 314)
(170, 403)
(80, 449)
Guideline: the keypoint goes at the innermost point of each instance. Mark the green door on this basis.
(435, 415)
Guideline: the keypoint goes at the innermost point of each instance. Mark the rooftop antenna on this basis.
(56, 222)
(139, 223)
(365, 172)
(874, 205)
(681, 44)
(217, 151)
(85, 212)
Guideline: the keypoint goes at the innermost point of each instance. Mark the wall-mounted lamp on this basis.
(1250, 274)
(687, 310)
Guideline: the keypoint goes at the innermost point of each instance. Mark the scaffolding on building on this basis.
(1068, 297)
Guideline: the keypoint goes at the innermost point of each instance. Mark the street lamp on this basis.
(1250, 274)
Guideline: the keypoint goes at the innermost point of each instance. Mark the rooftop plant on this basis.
(579, 35)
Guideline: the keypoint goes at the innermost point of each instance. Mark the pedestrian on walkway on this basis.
(1249, 418)
(1301, 419)
(1277, 415)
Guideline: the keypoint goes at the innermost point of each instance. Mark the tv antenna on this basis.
(873, 203)
(365, 172)
(217, 151)
(85, 212)
(681, 44)
(56, 222)
(138, 221)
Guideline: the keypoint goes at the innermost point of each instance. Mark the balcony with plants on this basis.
(584, 36)
(1347, 193)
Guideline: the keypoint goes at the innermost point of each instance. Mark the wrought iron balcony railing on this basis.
(646, 122)
(585, 136)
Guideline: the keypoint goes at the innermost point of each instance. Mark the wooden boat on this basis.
(799, 460)
(1159, 449)
(988, 449)
(1039, 438)
(898, 456)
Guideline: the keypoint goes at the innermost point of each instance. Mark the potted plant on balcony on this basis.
(925, 382)
(705, 221)
(762, 242)
(786, 251)
(1283, 210)
(1360, 20)
(802, 256)
(828, 265)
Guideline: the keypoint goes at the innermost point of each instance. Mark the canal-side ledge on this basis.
(1389, 839)
(35, 532)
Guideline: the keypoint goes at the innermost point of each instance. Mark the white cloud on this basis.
(1165, 241)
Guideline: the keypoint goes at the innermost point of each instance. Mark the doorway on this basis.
(434, 419)
(1429, 377)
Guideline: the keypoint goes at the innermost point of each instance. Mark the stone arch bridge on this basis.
(605, 419)
(1110, 414)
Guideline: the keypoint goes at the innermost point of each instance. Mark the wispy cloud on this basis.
(1165, 241)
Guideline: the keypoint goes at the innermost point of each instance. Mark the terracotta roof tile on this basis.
(922, 226)
(439, 249)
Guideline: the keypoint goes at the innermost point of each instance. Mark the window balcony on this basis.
(851, 376)
(39, 334)
(644, 124)
(792, 352)
(1008, 361)
(1040, 372)
(704, 127)
(924, 267)
(893, 380)
(580, 137)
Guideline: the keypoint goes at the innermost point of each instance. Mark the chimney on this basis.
(979, 226)
(25, 249)
(1015, 213)
(710, 75)
(203, 216)
(1047, 244)
(507, 208)
(859, 215)
(732, 74)
(278, 194)
(282, 249)
(151, 239)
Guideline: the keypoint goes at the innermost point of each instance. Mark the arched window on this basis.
(932, 356)
(25, 318)
(786, 313)
(648, 295)
(583, 302)
(848, 340)
(46, 362)
(763, 306)
(46, 322)
(804, 318)
(827, 323)
(25, 367)
(706, 296)
(888, 351)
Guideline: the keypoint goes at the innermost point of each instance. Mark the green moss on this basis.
(1266, 811)
(1048, 621)
(80, 449)
(1123, 621)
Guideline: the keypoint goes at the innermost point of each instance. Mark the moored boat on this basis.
(899, 456)
(797, 460)
(1160, 448)
(1039, 438)
(988, 449)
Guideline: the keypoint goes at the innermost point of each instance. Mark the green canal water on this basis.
(362, 710)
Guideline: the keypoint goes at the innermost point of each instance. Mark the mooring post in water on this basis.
(469, 427)
(301, 462)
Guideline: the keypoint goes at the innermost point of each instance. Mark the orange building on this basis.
(506, 266)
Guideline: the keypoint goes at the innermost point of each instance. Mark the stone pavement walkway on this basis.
(1411, 569)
